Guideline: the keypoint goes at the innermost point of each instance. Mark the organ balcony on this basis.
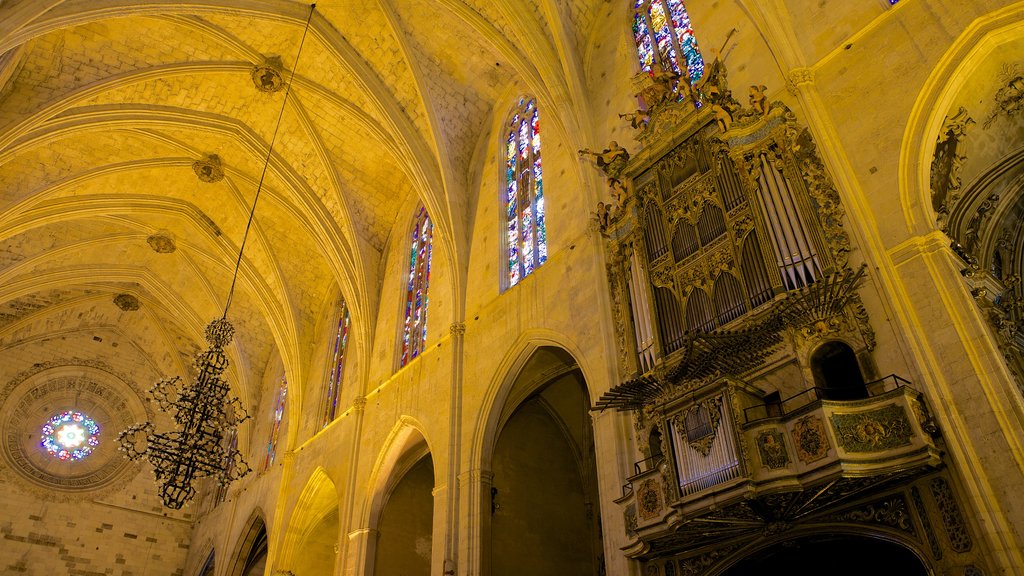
(723, 461)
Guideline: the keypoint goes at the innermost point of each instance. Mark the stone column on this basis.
(475, 522)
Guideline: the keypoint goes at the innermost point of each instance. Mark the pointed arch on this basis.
(251, 547)
(314, 528)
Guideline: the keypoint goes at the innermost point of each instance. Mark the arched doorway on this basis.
(311, 543)
(832, 554)
(250, 558)
(837, 373)
(544, 513)
(406, 524)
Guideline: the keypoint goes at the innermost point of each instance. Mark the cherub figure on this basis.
(665, 82)
(612, 161)
(638, 120)
(722, 116)
(758, 99)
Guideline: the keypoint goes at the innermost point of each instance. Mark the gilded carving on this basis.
(810, 439)
(947, 163)
(161, 242)
(1009, 100)
(266, 77)
(630, 520)
(819, 185)
(208, 169)
(126, 302)
(952, 519)
(892, 512)
(771, 445)
(700, 565)
(709, 411)
(881, 429)
(926, 523)
(648, 499)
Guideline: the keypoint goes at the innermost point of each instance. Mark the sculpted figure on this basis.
(638, 120)
(758, 99)
(612, 161)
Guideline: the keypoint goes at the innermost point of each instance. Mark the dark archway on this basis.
(404, 544)
(837, 373)
(250, 558)
(544, 501)
(832, 554)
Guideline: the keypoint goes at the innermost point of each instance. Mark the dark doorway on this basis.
(837, 373)
(835, 555)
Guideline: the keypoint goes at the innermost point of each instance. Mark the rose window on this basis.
(70, 435)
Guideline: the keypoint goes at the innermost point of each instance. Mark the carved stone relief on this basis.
(892, 512)
(771, 445)
(1009, 99)
(881, 429)
(648, 498)
(810, 439)
(952, 520)
(926, 523)
(947, 163)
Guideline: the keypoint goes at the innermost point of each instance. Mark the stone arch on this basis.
(252, 541)
(404, 446)
(404, 470)
(500, 389)
(883, 536)
(312, 536)
(536, 453)
(984, 37)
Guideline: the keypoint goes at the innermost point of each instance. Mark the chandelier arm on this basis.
(266, 163)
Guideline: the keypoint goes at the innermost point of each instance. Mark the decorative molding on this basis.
(1009, 99)
(771, 446)
(926, 523)
(947, 164)
(798, 77)
(884, 428)
(810, 439)
(457, 329)
(648, 498)
(162, 242)
(892, 512)
(208, 169)
(126, 302)
(266, 77)
(952, 520)
(629, 518)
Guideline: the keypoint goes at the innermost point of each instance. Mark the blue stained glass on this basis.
(275, 426)
(672, 34)
(414, 331)
(526, 238)
(687, 43)
(336, 367)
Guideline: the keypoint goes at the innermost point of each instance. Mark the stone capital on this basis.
(798, 76)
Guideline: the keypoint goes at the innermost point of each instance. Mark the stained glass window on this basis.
(275, 424)
(662, 33)
(414, 331)
(526, 233)
(335, 368)
(70, 435)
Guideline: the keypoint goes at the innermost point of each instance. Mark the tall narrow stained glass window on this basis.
(526, 233)
(336, 367)
(414, 332)
(275, 424)
(662, 33)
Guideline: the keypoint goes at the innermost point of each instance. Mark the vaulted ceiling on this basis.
(106, 105)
